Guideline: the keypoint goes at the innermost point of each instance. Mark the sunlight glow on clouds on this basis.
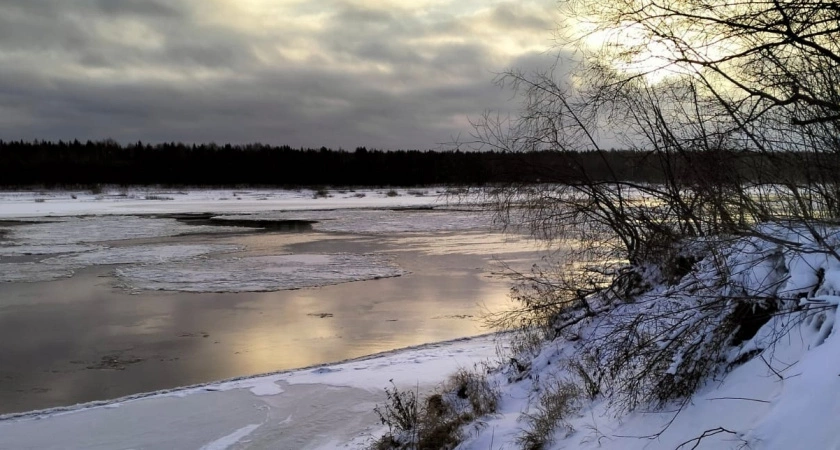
(385, 74)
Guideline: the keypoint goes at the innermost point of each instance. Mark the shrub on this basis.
(399, 413)
(475, 389)
(159, 197)
(558, 400)
(437, 422)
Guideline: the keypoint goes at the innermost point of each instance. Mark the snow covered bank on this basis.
(773, 387)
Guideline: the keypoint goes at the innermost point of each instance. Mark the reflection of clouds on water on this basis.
(255, 274)
(474, 243)
(83, 318)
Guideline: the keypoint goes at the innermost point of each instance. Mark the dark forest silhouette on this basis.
(107, 162)
(73, 163)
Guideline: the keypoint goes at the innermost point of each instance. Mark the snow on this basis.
(308, 408)
(227, 441)
(268, 388)
(783, 396)
(260, 273)
(120, 201)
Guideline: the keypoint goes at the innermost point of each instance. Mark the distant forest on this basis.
(107, 162)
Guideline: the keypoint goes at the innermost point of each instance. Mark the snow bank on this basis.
(779, 391)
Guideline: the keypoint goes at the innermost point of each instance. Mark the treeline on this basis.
(108, 162)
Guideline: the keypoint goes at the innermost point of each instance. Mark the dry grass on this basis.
(557, 401)
(438, 421)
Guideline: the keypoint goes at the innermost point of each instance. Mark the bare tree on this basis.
(737, 105)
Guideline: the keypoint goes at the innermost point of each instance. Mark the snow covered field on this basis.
(134, 201)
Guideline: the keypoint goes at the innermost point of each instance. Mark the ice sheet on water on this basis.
(259, 274)
(33, 272)
(142, 254)
(82, 230)
(26, 249)
(65, 266)
(381, 220)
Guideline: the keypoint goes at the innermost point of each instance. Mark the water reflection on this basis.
(83, 339)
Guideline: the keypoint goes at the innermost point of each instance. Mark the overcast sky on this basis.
(378, 73)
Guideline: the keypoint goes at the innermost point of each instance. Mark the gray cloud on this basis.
(324, 73)
(150, 8)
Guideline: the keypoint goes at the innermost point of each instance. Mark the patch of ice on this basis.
(33, 272)
(266, 389)
(375, 221)
(17, 250)
(64, 266)
(259, 274)
(143, 254)
(82, 230)
(228, 441)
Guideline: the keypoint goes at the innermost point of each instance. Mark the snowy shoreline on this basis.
(225, 384)
(276, 410)
(141, 201)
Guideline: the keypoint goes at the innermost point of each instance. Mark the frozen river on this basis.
(100, 306)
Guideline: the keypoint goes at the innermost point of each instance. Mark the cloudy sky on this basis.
(340, 73)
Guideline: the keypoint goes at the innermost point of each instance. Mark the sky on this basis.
(390, 74)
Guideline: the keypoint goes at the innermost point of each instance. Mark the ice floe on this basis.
(33, 272)
(28, 249)
(65, 266)
(85, 230)
(375, 221)
(256, 274)
(141, 254)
